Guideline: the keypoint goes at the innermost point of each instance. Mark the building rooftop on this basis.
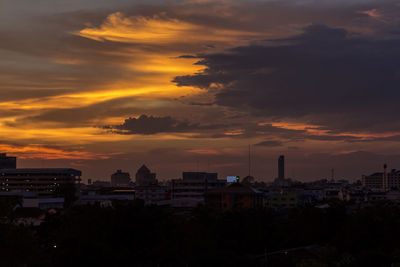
(235, 188)
(143, 169)
(41, 171)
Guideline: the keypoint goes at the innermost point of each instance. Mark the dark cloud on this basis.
(327, 76)
(322, 76)
(81, 116)
(201, 104)
(328, 137)
(270, 143)
(188, 56)
(153, 125)
(235, 129)
(392, 138)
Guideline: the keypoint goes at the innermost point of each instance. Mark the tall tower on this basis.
(249, 161)
(281, 167)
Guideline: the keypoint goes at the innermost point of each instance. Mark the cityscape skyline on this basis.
(199, 133)
(188, 85)
(279, 168)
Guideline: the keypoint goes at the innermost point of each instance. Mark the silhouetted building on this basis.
(181, 203)
(373, 181)
(234, 196)
(100, 184)
(195, 184)
(105, 196)
(353, 194)
(282, 199)
(382, 180)
(151, 194)
(248, 180)
(46, 182)
(7, 162)
(281, 167)
(393, 179)
(145, 177)
(120, 179)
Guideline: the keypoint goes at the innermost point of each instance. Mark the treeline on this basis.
(134, 235)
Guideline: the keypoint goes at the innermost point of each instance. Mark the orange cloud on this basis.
(221, 151)
(204, 151)
(158, 29)
(234, 132)
(373, 13)
(153, 64)
(41, 152)
(141, 29)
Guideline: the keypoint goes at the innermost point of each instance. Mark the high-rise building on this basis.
(120, 179)
(382, 180)
(46, 182)
(147, 187)
(373, 181)
(145, 177)
(7, 162)
(281, 167)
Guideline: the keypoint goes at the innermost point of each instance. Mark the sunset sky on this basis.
(100, 85)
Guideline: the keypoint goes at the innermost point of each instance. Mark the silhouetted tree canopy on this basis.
(135, 235)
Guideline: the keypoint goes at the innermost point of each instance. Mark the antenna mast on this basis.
(249, 160)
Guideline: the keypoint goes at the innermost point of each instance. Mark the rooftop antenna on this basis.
(249, 160)
(254, 162)
(332, 174)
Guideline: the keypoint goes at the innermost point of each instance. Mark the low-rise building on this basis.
(281, 199)
(195, 184)
(354, 195)
(393, 195)
(105, 197)
(331, 193)
(120, 179)
(373, 181)
(232, 197)
(376, 196)
(181, 203)
(151, 194)
(25, 199)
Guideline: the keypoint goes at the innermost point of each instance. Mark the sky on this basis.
(178, 85)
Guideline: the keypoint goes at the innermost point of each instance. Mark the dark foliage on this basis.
(134, 235)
